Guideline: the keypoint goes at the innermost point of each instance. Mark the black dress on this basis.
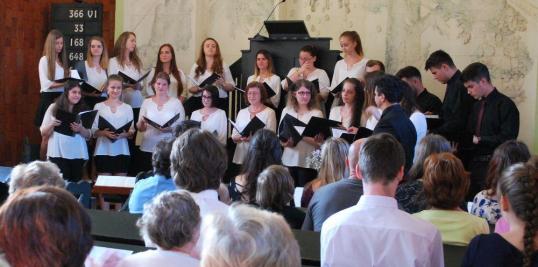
(494, 250)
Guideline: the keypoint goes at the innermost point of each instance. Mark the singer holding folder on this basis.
(349, 108)
(256, 96)
(211, 118)
(209, 64)
(69, 152)
(302, 105)
(93, 70)
(112, 154)
(264, 73)
(159, 115)
(166, 62)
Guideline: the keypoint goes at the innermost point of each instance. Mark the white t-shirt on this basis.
(296, 156)
(63, 146)
(150, 110)
(123, 114)
(159, 257)
(227, 76)
(318, 74)
(44, 80)
(172, 88)
(342, 72)
(130, 96)
(273, 82)
(421, 126)
(215, 122)
(95, 78)
(267, 116)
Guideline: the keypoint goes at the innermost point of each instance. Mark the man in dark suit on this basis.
(388, 93)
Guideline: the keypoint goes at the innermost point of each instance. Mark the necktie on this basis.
(480, 116)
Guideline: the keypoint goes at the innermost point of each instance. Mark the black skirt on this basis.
(112, 164)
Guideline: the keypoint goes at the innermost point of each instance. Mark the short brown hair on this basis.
(381, 158)
(198, 160)
(445, 181)
(263, 92)
(275, 188)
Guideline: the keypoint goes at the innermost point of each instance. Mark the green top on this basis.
(456, 227)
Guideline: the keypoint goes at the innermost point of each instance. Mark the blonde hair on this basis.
(103, 61)
(49, 51)
(333, 160)
(119, 48)
(35, 173)
(246, 236)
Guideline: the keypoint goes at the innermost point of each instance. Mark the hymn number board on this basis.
(77, 22)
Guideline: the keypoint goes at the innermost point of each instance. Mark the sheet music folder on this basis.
(279, 29)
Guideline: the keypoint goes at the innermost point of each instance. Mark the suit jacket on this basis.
(394, 121)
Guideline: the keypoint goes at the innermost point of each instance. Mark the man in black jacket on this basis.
(388, 93)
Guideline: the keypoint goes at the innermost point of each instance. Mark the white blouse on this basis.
(227, 76)
(318, 74)
(296, 156)
(150, 110)
(273, 82)
(336, 115)
(95, 78)
(341, 71)
(215, 122)
(63, 146)
(172, 89)
(372, 121)
(44, 80)
(421, 126)
(267, 116)
(123, 114)
(130, 96)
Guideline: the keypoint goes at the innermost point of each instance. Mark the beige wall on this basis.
(499, 33)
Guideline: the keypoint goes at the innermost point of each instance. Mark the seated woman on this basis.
(518, 190)
(44, 226)
(172, 223)
(485, 203)
(246, 236)
(263, 151)
(445, 185)
(332, 168)
(35, 173)
(146, 189)
(409, 194)
(275, 193)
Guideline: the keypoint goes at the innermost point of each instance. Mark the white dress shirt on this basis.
(44, 80)
(173, 87)
(150, 109)
(317, 74)
(267, 116)
(159, 257)
(227, 76)
(376, 233)
(273, 82)
(123, 115)
(130, 96)
(216, 122)
(421, 126)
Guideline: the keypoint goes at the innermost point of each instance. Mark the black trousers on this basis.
(301, 176)
(478, 166)
(71, 168)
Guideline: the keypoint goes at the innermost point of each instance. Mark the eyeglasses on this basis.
(303, 93)
(206, 97)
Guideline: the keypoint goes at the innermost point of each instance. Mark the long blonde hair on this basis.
(103, 61)
(333, 161)
(121, 45)
(49, 51)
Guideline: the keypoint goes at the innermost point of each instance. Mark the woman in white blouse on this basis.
(160, 108)
(410, 107)
(209, 61)
(303, 105)
(112, 154)
(256, 97)
(93, 70)
(349, 109)
(127, 61)
(166, 62)
(66, 151)
(370, 113)
(212, 119)
(264, 73)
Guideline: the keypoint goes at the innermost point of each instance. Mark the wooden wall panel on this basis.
(24, 26)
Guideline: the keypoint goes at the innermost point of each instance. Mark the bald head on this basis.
(353, 156)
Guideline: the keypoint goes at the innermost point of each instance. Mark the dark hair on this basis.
(358, 101)
(381, 158)
(312, 50)
(409, 100)
(160, 159)
(183, 126)
(438, 58)
(292, 100)
(430, 144)
(163, 76)
(264, 150)
(263, 93)
(217, 66)
(391, 87)
(506, 154)
(474, 72)
(44, 226)
(369, 88)
(214, 91)
(519, 183)
(445, 181)
(270, 65)
(275, 188)
(354, 36)
(174, 70)
(372, 62)
(409, 72)
(62, 102)
(199, 161)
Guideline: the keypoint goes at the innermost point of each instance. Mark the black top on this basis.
(493, 250)
(330, 199)
(410, 196)
(500, 122)
(394, 121)
(293, 216)
(455, 110)
(236, 191)
(428, 102)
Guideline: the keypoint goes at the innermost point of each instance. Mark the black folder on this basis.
(269, 90)
(86, 118)
(103, 124)
(209, 80)
(290, 83)
(362, 132)
(287, 130)
(317, 125)
(316, 85)
(433, 121)
(338, 88)
(129, 80)
(88, 88)
(254, 125)
(165, 125)
(68, 79)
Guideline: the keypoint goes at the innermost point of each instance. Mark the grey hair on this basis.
(430, 144)
(171, 219)
(246, 236)
(35, 173)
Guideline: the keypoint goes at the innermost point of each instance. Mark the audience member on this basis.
(445, 185)
(35, 173)
(373, 65)
(376, 221)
